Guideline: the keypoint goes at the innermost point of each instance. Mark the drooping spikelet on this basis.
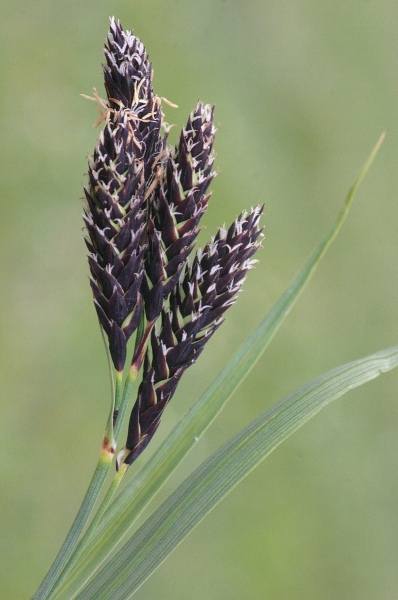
(196, 308)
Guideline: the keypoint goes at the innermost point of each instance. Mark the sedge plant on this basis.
(143, 204)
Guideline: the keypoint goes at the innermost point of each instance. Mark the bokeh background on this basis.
(302, 92)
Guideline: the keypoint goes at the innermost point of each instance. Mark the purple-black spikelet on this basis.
(177, 205)
(128, 72)
(120, 173)
(128, 83)
(115, 222)
(196, 309)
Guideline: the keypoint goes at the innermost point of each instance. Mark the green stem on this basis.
(124, 402)
(93, 525)
(67, 556)
(53, 577)
(93, 491)
(81, 518)
(139, 352)
(109, 361)
(118, 396)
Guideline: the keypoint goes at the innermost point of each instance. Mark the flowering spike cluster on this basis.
(144, 202)
(196, 308)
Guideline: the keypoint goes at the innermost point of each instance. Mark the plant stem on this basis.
(93, 525)
(81, 518)
(104, 463)
(124, 402)
(118, 389)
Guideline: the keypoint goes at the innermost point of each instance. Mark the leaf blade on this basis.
(217, 475)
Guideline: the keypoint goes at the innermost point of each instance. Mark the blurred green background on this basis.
(302, 92)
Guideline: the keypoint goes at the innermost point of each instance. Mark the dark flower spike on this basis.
(115, 221)
(121, 178)
(128, 73)
(196, 309)
(128, 83)
(177, 205)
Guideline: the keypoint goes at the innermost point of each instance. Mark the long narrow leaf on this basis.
(141, 489)
(217, 475)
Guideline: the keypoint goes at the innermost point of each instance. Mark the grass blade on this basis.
(217, 475)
